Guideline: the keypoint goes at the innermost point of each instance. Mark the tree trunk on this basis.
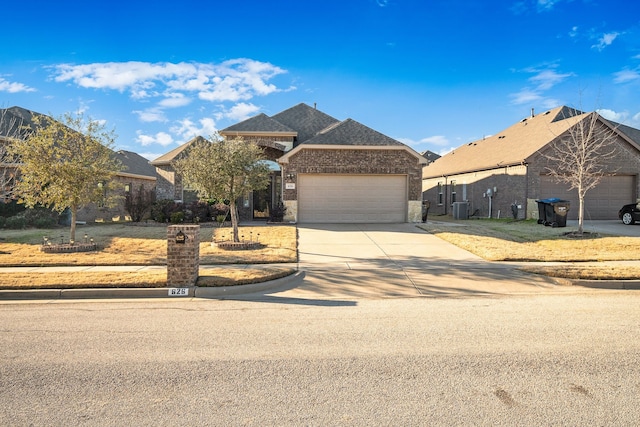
(234, 220)
(580, 214)
(74, 215)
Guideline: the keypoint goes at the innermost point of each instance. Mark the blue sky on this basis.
(433, 74)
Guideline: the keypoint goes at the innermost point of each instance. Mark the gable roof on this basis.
(350, 132)
(172, 155)
(258, 124)
(12, 119)
(511, 146)
(307, 121)
(135, 164)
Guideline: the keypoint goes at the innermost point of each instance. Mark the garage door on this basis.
(601, 202)
(352, 198)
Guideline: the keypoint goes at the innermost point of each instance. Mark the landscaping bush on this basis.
(177, 217)
(15, 222)
(10, 208)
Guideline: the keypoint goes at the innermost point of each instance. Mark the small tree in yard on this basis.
(66, 164)
(578, 158)
(137, 203)
(224, 169)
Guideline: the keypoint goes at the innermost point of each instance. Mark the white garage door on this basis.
(352, 198)
(601, 202)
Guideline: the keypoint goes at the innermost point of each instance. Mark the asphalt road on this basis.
(547, 359)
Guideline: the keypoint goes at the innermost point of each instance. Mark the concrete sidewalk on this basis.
(352, 261)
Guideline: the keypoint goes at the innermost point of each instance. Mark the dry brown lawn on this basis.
(130, 244)
(508, 240)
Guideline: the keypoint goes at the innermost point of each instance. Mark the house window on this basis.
(453, 191)
(440, 196)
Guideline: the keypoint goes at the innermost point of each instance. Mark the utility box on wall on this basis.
(460, 210)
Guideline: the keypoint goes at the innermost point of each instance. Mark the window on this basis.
(440, 193)
(453, 191)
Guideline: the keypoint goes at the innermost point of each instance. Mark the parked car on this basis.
(629, 214)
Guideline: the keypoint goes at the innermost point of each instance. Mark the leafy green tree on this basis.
(66, 164)
(224, 169)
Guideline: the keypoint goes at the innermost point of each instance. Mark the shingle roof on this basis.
(169, 157)
(307, 121)
(135, 164)
(12, 119)
(511, 146)
(259, 123)
(350, 132)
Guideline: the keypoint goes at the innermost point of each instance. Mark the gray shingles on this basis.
(350, 132)
(307, 121)
(259, 123)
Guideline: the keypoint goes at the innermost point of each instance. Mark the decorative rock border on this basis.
(239, 246)
(64, 248)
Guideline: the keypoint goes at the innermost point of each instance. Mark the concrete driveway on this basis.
(390, 260)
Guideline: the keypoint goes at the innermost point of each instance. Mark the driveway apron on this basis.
(392, 260)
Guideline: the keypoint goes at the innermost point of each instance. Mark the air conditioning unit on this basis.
(460, 210)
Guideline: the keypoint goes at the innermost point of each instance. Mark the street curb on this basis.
(607, 284)
(116, 293)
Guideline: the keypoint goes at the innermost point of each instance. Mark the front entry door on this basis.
(263, 199)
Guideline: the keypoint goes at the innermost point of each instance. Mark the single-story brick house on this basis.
(136, 172)
(323, 170)
(510, 168)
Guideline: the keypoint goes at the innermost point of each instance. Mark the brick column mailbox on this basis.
(183, 255)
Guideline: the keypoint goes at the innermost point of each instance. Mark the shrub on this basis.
(16, 222)
(277, 212)
(177, 217)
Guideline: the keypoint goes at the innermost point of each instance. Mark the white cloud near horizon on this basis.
(14, 87)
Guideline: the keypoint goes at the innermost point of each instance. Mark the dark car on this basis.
(629, 214)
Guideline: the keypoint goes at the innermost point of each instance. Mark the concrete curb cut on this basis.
(198, 292)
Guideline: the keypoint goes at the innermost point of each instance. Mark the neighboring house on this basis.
(137, 171)
(323, 170)
(510, 168)
(430, 156)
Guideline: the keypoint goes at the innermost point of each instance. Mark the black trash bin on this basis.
(553, 212)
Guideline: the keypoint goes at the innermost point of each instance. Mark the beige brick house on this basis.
(323, 170)
(509, 168)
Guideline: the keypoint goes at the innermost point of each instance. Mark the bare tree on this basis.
(579, 156)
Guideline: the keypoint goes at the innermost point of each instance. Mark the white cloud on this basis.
(151, 115)
(439, 140)
(187, 129)
(574, 32)
(546, 79)
(619, 117)
(161, 138)
(232, 80)
(525, 96)
(174, 100)
(623, 117)
(625, 76)
(543, 80)
(605, 40)
(544, 5)
(241, 111)
(14, 87)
